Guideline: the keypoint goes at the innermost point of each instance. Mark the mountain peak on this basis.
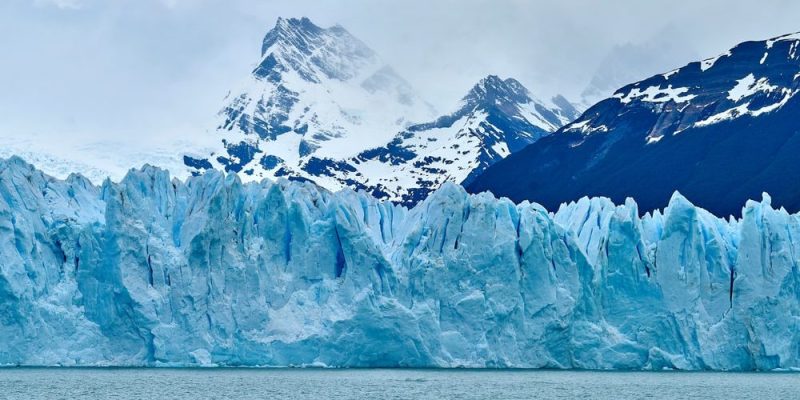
(570, 110)
(314, 53)
(316, 93)
(290, 31)
(510, 96)
(493, 89)
(302, 25)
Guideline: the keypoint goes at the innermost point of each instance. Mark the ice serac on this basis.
(213, 271)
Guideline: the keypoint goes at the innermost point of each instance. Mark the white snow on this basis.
(654, 139)
(670, 73)
(656, 94)
(726, 115)
(100, 160)
(709, 62)
(585, 127)
(749, 86)
(744, 109)
(528, 112)
(791, 36)
(457, 146)
(501, 148)
(362, 107)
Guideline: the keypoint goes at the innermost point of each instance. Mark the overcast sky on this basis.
(112, 69)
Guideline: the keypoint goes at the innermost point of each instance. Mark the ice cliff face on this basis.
(153, 271)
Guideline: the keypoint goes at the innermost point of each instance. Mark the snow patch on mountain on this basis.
(740, 82)
(749, 86)
(744, 109)
(632, 62)
(709, 62)
(655, 94)
(791, 37)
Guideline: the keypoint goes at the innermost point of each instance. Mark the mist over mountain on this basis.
(631, 62)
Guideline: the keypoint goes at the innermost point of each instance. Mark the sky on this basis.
(147, 70)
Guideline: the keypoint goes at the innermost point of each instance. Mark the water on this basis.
(377, 384)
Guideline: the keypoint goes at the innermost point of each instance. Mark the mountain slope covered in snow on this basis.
(321, 106)
(721, 131)
(316, 92)
(496, 118)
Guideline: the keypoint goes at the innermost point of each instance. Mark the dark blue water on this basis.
(376, 384)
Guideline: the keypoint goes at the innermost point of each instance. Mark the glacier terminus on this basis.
(154, 271)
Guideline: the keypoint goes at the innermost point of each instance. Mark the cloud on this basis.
(128, 68)
(62, 4)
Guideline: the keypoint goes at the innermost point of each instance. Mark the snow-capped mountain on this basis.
(321, 106)
(496, 118)
(315, 91)
(721, 131)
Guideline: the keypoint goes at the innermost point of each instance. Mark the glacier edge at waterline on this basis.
(153, 271)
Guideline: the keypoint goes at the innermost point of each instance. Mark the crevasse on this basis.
(153, 271)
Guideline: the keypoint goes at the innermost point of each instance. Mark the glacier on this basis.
(156, 271)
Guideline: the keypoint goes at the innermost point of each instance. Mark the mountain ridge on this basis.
(496, 118)
(718, 130)
(292, 120)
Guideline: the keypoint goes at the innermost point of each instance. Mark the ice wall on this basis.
(154, 271)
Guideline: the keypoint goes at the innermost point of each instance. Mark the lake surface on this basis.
(376, 384)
